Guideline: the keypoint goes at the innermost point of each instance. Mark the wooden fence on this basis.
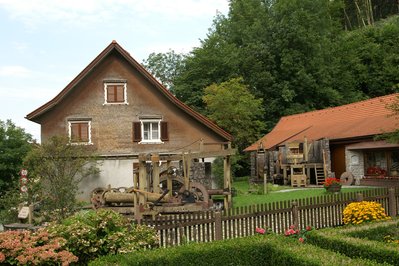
(318, 212)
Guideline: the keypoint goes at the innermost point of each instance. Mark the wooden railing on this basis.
(318, 212)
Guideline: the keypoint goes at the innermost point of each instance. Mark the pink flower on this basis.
(260, 230)
(2, 257)
(308, 228)
(301, 240)
(292, 227)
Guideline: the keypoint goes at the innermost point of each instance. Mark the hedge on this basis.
(255, 250)
(344, 241)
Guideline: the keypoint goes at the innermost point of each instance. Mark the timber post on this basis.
(359, 197)
(392, 211)
(227, 181)
(142, 178)
(218, 226)
(295, 214)
(155, 172)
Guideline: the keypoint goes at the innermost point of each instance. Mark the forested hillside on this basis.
(294, 55)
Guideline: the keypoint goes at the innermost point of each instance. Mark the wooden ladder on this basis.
(320, 177)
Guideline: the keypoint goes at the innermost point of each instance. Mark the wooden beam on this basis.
(155, 173)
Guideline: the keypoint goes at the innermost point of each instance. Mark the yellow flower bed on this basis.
(364, 211)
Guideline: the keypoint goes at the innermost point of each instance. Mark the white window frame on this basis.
(106, 84)
(89, 142)
(151, 141)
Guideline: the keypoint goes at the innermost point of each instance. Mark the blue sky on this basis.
(46, 43)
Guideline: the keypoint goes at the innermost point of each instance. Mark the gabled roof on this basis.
(360, 119)
(114, 46)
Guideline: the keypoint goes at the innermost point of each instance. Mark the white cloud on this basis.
(15, 71)
(36, 12)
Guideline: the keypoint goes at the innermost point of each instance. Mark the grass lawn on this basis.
(276, 193)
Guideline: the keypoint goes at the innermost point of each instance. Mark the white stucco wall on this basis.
(114, 172)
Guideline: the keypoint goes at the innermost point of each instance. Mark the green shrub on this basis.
(39, 248)
(93, 234)
(340, 240)
(255, 250)
(378, 233)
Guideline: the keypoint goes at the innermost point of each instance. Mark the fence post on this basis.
(218, 225)
(359, 197)
(295, 214)
(392, 203)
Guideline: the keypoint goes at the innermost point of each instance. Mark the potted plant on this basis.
(332, 184)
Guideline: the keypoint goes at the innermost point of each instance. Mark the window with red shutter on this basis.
(136, 131)
(115, 93)
(80, 132)
(164, 131)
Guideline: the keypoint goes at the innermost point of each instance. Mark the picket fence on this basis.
(318, 212)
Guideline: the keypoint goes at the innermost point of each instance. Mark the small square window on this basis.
(80, 132)
(115, 93)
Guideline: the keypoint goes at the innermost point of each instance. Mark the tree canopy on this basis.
(244, 116)
(297, 55)
(15, 143)
(58, 167)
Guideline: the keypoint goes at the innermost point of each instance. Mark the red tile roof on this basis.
(360, 119)
(114, 46)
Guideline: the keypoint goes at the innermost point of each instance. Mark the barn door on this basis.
(338, 165)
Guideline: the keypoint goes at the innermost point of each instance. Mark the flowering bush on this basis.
(93, 234)
(296, 233)
(391, 239)
(27, 248)
(331, 181)
(364, 211)
(375, 170)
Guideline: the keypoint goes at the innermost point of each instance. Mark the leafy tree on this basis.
(165, 66)
(392, 137)
(214, 62)
(15, 143)
(59, 167)
(362, 13)
(232, 106)
(370, 58)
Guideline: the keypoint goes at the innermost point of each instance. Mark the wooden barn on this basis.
(303, 149)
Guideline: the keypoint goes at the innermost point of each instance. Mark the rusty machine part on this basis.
(125, 196)
(169, 191)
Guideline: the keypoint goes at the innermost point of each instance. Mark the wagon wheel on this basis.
(347, 178)
(199, 192)
(177, 181)
(96, 196)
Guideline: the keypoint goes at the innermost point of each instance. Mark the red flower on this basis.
(301, 240)
(331, 180)
(260, 230)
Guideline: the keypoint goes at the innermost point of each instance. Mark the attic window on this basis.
(80, 132)
(115, 92)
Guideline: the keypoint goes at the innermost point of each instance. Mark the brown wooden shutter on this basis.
(164, 131)
(120, 94)
(75, 132)
(84, 132)
(136, 131)
(111, 94)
